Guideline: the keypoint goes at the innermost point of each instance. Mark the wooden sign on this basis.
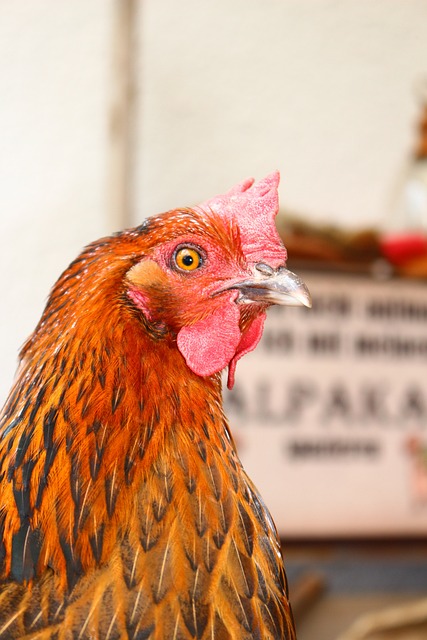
(330, 412)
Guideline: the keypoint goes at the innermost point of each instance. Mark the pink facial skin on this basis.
(210, 345)
(207, 321)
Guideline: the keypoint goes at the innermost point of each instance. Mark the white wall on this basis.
(320, 89)
(54, 78)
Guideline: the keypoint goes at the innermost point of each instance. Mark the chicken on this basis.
(125, 511)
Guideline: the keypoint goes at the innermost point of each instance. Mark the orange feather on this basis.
(125, 511)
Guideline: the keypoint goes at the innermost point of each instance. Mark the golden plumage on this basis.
(125, 511)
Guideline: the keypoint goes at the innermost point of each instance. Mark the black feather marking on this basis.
(226, 512)
(168, 491)
(176, 398)
(73, 273)
(12, 402)
(190, 483)
(82, 361)
(148, 541)
(234, 481)
(139, 614)
(129, 557)
(75, 481)
(258, 509)
(26, 546)
(18, 419)
(111, 493)
(96, 542)
(100, 443)
(205, 430)
(21, 492)
(210, 556)
(144, 227)
(27, 470)
(102, 379)
(165, 475)
(201, 448)
(192, 559)
(149, 532)
(94, 427)
(195, 615)
(23, 444)
(40, 490)
(82, 391)
(94, 465)
(73, 565)
(85, 408)
(148, 434)
(220, 630)
(49, 312)
(144, 634)
(51, 452)
(216, 481)
(63, 365)
(10, 446)
(222, 442)
(116, 398)
(190, 480)
(232, 462)
(190, 432)
(69, 437)
(201, 523)
(247, 530)
(129, 469)
(273, 615)
(159, 510)
(247, 573)
(66, 413)
(242, 607)
(10, 426)
(276, 567)
(32, 616)
(262, 586)
(141, 450)
(38, 403)
(49, 426)
(219, 539)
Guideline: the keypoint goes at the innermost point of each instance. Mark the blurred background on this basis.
(113, 110)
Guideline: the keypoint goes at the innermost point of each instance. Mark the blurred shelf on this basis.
(336, 582)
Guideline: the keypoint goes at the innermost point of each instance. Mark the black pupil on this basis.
(188, 260)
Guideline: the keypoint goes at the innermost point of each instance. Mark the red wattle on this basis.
(248, 342)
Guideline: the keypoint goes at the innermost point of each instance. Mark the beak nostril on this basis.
(265, 269)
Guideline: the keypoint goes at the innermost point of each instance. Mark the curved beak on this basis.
(272, 286)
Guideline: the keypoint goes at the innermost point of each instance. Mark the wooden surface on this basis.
(337, 583)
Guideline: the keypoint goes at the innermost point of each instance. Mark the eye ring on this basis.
(187, 258)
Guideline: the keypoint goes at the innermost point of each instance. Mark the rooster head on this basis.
(209, 273)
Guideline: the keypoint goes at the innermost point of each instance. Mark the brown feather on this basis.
(125, 510)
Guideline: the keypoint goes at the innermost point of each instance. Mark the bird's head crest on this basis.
(253, 206)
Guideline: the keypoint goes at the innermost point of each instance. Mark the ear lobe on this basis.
(210, 344)
(146, 273)
(145, 277)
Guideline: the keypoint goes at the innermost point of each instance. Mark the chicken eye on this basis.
(187, 259)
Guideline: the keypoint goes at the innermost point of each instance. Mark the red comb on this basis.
(253, 206)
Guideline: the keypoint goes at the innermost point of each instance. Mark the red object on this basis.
(399, 248)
